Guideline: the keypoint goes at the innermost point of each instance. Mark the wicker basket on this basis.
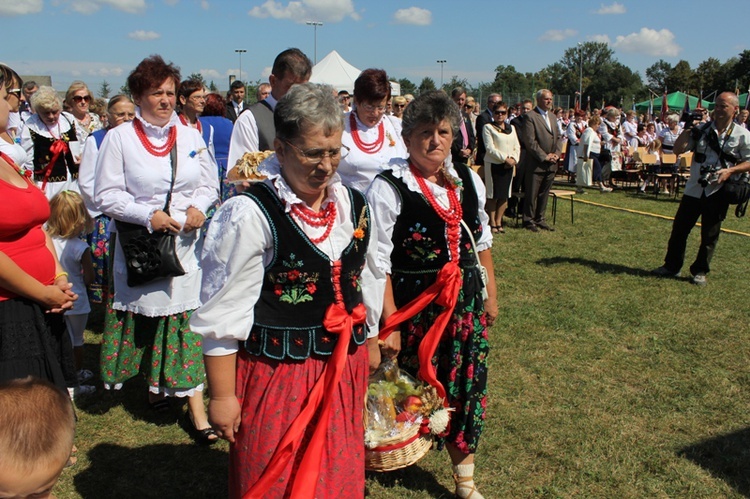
(399, 451)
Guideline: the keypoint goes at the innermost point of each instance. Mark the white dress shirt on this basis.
(245, 135)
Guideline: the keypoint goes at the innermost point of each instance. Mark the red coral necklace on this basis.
(160, 151)
(371, 147)
(451, 216)
(186, 123)
(323, 218)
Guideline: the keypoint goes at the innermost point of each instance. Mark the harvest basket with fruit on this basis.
(401, 420)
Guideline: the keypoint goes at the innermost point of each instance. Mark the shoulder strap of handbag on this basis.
(471, 238)
(173, 163)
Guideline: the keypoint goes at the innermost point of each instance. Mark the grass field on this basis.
(604, 381)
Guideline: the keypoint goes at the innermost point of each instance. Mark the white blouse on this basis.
(130, 184)
(86, 174)
(386, 206)
(590, 141)
(239, 245)
(358, 169)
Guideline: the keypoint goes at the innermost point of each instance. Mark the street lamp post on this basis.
(441, 62)
(315, 25)
(240, 51)
(580, 75)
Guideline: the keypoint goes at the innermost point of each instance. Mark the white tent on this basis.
(335, 71)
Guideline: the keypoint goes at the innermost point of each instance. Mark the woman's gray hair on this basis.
(430, 108)
(45, 99)
(308, 105)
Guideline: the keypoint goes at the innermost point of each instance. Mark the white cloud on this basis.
(91, 6)
(413, 15)
(171, 2)
(16, 8)
(266, 72)
(301, 11)
(205, 5)
(143, 35)
(599, 39)
(615, 8)
(649, 42)
(210, 74)
(557, 35)
(63, 69)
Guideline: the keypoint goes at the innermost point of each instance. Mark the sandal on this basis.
(495, 229)
(466, 490)
(206, 436)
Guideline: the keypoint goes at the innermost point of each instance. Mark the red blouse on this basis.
(24, 211)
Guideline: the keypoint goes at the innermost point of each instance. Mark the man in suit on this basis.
(254, 130)
(541, 138)
(484, 118)
(236, 103)
(463, 142)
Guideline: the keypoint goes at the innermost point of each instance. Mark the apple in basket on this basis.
(412, 404)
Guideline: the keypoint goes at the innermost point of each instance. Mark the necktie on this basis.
(464, 134)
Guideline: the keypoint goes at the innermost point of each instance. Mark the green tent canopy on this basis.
(743, 101)
(675, 101)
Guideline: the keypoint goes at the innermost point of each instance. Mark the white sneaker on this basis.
(606, 189)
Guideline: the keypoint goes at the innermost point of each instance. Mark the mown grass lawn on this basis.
(605, 381)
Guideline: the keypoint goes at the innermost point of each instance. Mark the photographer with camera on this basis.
(721, 149)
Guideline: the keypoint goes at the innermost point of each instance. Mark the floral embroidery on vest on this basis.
(293, 286)
(420, 247)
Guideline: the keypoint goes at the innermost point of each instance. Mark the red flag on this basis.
(578, 102)
(664, 108)
(686, 107)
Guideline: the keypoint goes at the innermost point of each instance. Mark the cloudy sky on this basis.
(96, 40)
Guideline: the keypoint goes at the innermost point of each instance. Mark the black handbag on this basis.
(737, 191)
(605, 156)
(150, 255)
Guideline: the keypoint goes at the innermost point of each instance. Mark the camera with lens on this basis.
(692, 118)
(709, 174)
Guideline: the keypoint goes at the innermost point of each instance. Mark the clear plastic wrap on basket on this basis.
(402, 415)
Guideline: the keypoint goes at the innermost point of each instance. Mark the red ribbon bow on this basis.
(57, 148)
(444, 292)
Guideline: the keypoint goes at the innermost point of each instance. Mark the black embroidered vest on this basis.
(419, 240)
(263, 115)
(297, 287)
(42, 157)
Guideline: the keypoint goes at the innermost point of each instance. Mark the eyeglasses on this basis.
(501, 112)
(469, 106)
(16, 92)
(399, 106)
(81, 98)
(371, 109)
(198, 97)
(314, 156)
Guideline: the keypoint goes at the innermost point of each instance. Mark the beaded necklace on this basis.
(160, 151)
(451, 216)
(186, 123)
(371, 147)
(323, 218)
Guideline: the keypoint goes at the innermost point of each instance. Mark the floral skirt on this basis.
(174, 354)
(98, 241)
(271, 394)
(460, 360)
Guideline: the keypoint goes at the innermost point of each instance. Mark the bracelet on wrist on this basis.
(61, 274)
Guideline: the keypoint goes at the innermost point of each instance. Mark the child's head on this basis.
(68, 216)
(37, 424)
(654, 146)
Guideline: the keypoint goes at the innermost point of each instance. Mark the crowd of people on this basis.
(364, 242)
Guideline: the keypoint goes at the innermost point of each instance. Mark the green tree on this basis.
(426, 84)
(125, 90)
(104, 90)
(407, 86)
(454, 82)
(741, 72)
(707, 75)
(681, 78)
(212, 87)
(657, 74)
(198, 77)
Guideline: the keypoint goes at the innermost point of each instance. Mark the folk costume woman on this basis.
(372, 136)
(120, 109)
(132, 183)
(434, 289)
(292, 293)
(51, 144)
